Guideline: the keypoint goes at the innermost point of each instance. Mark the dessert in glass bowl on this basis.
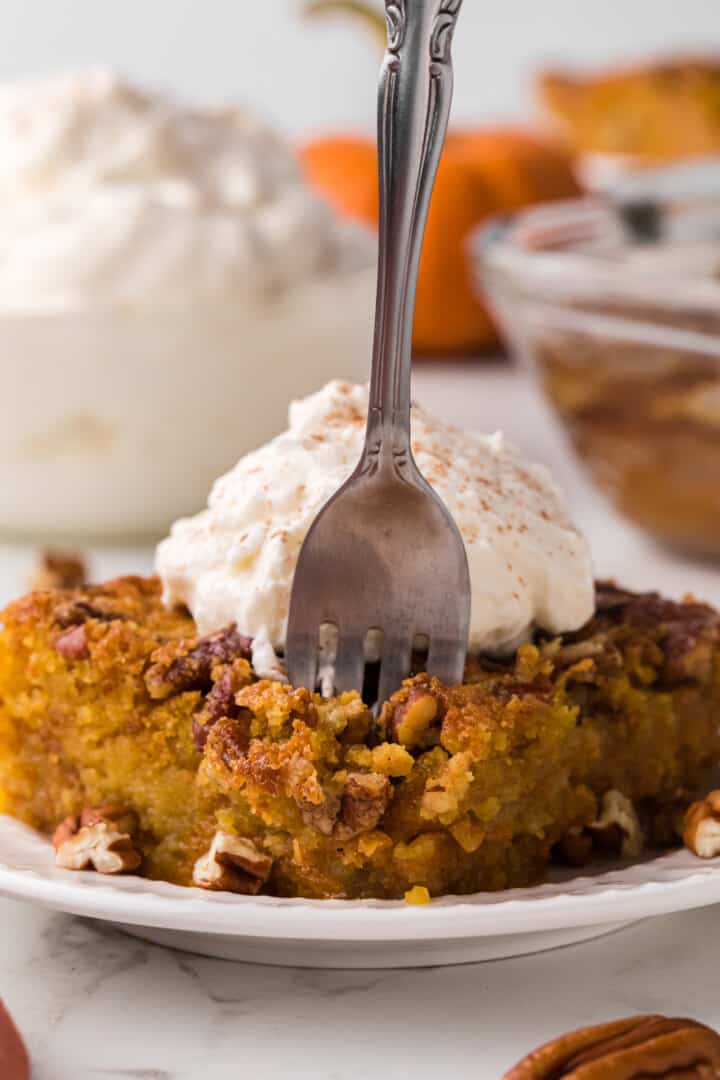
(161, 264)
(148, 723)
(625, 339)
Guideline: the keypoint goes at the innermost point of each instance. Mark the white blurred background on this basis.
(312, 77)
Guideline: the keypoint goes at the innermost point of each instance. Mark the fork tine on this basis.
(349, 663)
(301, 653)
(446, 659)
(394, 666)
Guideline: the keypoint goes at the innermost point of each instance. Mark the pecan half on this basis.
(232, 864)
(702, 827)
(59, 570)
(363, 801)
(101, 838)
(178, 668)
(633, 1049)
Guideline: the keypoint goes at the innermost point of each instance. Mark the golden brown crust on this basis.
(455, 789)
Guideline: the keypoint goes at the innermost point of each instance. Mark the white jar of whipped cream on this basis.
(167, 284)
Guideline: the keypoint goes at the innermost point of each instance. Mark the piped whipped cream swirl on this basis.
(115, 196)
(234, 562)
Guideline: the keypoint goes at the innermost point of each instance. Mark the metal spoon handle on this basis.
(414, 101)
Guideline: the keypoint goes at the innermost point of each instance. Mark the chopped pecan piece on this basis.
(220, 702)
(687, 635)
(618, 830)
(689, 648)
(633, 1049)
(702, 827)
(65, 831)
(59, 570)
(505, 689)
(412, 718)
(608, 598)
(575, 848)
(607, 839)
(72, 644)
(565, 655)
(234, 743)
(227, 744)
(101, 838)
(363, 801)
(322, 817)
(603, 653)
(232, 864)
(123, 819)
(178, 668)
(78, 612)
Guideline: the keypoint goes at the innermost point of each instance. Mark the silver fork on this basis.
(384, 553)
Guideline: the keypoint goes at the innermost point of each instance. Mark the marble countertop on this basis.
(94, 1004)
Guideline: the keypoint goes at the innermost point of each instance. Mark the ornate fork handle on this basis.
(384, 553)
(415, 95)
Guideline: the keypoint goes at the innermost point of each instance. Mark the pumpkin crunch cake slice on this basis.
(146, 748)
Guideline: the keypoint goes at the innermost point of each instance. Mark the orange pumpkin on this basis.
(482, 173)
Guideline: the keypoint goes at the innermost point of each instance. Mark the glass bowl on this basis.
(625, 338)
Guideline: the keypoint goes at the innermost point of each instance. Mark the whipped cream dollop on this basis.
(110, 194)
(234, 561)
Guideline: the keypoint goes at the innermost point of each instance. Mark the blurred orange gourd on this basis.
(483, 172)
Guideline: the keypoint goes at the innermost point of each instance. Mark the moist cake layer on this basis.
(110, 700)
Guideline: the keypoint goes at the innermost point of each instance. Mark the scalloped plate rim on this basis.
(660, 886)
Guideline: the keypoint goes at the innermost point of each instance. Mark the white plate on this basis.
(360, 934)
